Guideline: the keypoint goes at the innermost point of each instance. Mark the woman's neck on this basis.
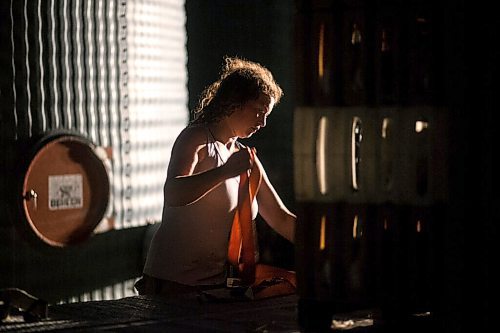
(222, 132)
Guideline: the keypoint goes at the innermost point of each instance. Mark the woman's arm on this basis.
(186, 182)
(272, 208)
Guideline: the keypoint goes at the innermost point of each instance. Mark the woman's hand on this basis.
(239, 162)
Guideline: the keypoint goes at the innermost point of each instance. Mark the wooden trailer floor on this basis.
(190, 313)
(155, 314)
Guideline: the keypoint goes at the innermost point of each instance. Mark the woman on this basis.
(189, 250)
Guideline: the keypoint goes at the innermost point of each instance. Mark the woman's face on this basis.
(252, 116)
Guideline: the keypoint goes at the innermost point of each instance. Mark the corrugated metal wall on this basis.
(115, 72)
(157, 86)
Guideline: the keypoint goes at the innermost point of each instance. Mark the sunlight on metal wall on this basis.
(113, 71)
(115, 291)
(157, 86)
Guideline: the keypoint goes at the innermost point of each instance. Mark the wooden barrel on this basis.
(65, 189)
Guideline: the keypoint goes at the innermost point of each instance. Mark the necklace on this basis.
(218, 154)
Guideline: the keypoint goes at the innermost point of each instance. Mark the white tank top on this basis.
(190, 246)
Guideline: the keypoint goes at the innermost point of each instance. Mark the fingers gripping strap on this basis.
(241, 251)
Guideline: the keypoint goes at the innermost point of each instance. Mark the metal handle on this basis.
(356, 138)
(321, 155)
(31, 195)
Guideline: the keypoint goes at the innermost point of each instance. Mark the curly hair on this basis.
(239, 82)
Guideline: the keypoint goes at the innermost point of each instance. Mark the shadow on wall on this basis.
(97, 266)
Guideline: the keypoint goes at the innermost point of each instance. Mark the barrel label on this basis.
(65, 192)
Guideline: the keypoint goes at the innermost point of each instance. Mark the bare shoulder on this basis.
(192, 136)
(188, 150)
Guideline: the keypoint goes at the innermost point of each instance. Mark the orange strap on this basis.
(241, 250)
